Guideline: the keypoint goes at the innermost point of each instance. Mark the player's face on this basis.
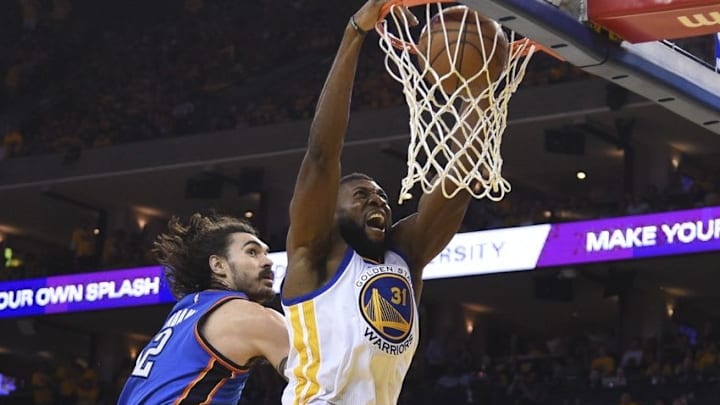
(364, 216)
(250, 267)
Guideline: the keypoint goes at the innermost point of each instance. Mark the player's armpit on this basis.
(242, 330)
(281, 367)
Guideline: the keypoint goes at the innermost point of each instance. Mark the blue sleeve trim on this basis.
(205, 344)
(407, 264)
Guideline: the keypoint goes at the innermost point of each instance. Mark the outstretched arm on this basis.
(243, 331)
(273, 341)
(312, 209)
(424, 235)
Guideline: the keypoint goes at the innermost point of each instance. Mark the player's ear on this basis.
(217, 264)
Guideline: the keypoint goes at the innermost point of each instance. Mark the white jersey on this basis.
(353, 339)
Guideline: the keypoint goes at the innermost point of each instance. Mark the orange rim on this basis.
(396, 42)
(400, 44)
(407, 3)
(526, 43)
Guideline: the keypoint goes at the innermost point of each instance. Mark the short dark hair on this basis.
(185, 248)
(355, 176)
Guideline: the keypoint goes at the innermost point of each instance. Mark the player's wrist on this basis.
(356, 27)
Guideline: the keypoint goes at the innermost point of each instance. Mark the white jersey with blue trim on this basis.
(352, 340)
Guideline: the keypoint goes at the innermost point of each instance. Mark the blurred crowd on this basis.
(89, 248)
(680, 366)
(456, 365)
(73, 382)
(590, 368)
(684, 190)
(79, 75)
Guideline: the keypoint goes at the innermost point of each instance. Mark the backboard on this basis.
(657, 70)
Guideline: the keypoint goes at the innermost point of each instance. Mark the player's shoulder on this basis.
(403, 234)
(238, 308)
(243, 314)
(404, 228)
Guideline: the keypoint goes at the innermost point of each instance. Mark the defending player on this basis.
(354, 278)
(220, 272)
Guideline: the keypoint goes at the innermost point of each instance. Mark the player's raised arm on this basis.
(423, 235)
(426, 233)
(312, 208)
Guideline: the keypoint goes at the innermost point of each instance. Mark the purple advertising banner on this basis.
(669, 233)
(84, 292)
(472, 253)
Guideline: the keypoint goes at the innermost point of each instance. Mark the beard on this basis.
(255, 289)
(354, 235)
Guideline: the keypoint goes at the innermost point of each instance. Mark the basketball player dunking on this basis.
(354, 278)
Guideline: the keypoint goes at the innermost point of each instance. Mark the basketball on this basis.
(470, 57)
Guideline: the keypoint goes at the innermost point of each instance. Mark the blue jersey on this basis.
(179, 367)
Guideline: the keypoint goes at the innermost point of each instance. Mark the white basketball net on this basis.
(446, 148)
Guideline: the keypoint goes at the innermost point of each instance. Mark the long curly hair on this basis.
(185, 248)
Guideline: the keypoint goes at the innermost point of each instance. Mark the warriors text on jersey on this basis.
(179, 367)
(352, 340)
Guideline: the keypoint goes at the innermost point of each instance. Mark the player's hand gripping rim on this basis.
(372, 11)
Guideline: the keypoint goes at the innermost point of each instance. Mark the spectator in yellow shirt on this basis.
(626, 399)
(42, 387)
(88, 387)
(67, 377)
(603, 363)
(12, 143)
(707, 358)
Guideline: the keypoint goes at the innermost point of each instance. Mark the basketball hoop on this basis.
(446, 148)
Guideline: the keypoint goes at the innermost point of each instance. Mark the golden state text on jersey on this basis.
(386, 302)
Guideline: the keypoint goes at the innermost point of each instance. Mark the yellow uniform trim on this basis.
(307, 345)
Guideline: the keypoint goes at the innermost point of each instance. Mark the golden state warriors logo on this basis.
(386, 304)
